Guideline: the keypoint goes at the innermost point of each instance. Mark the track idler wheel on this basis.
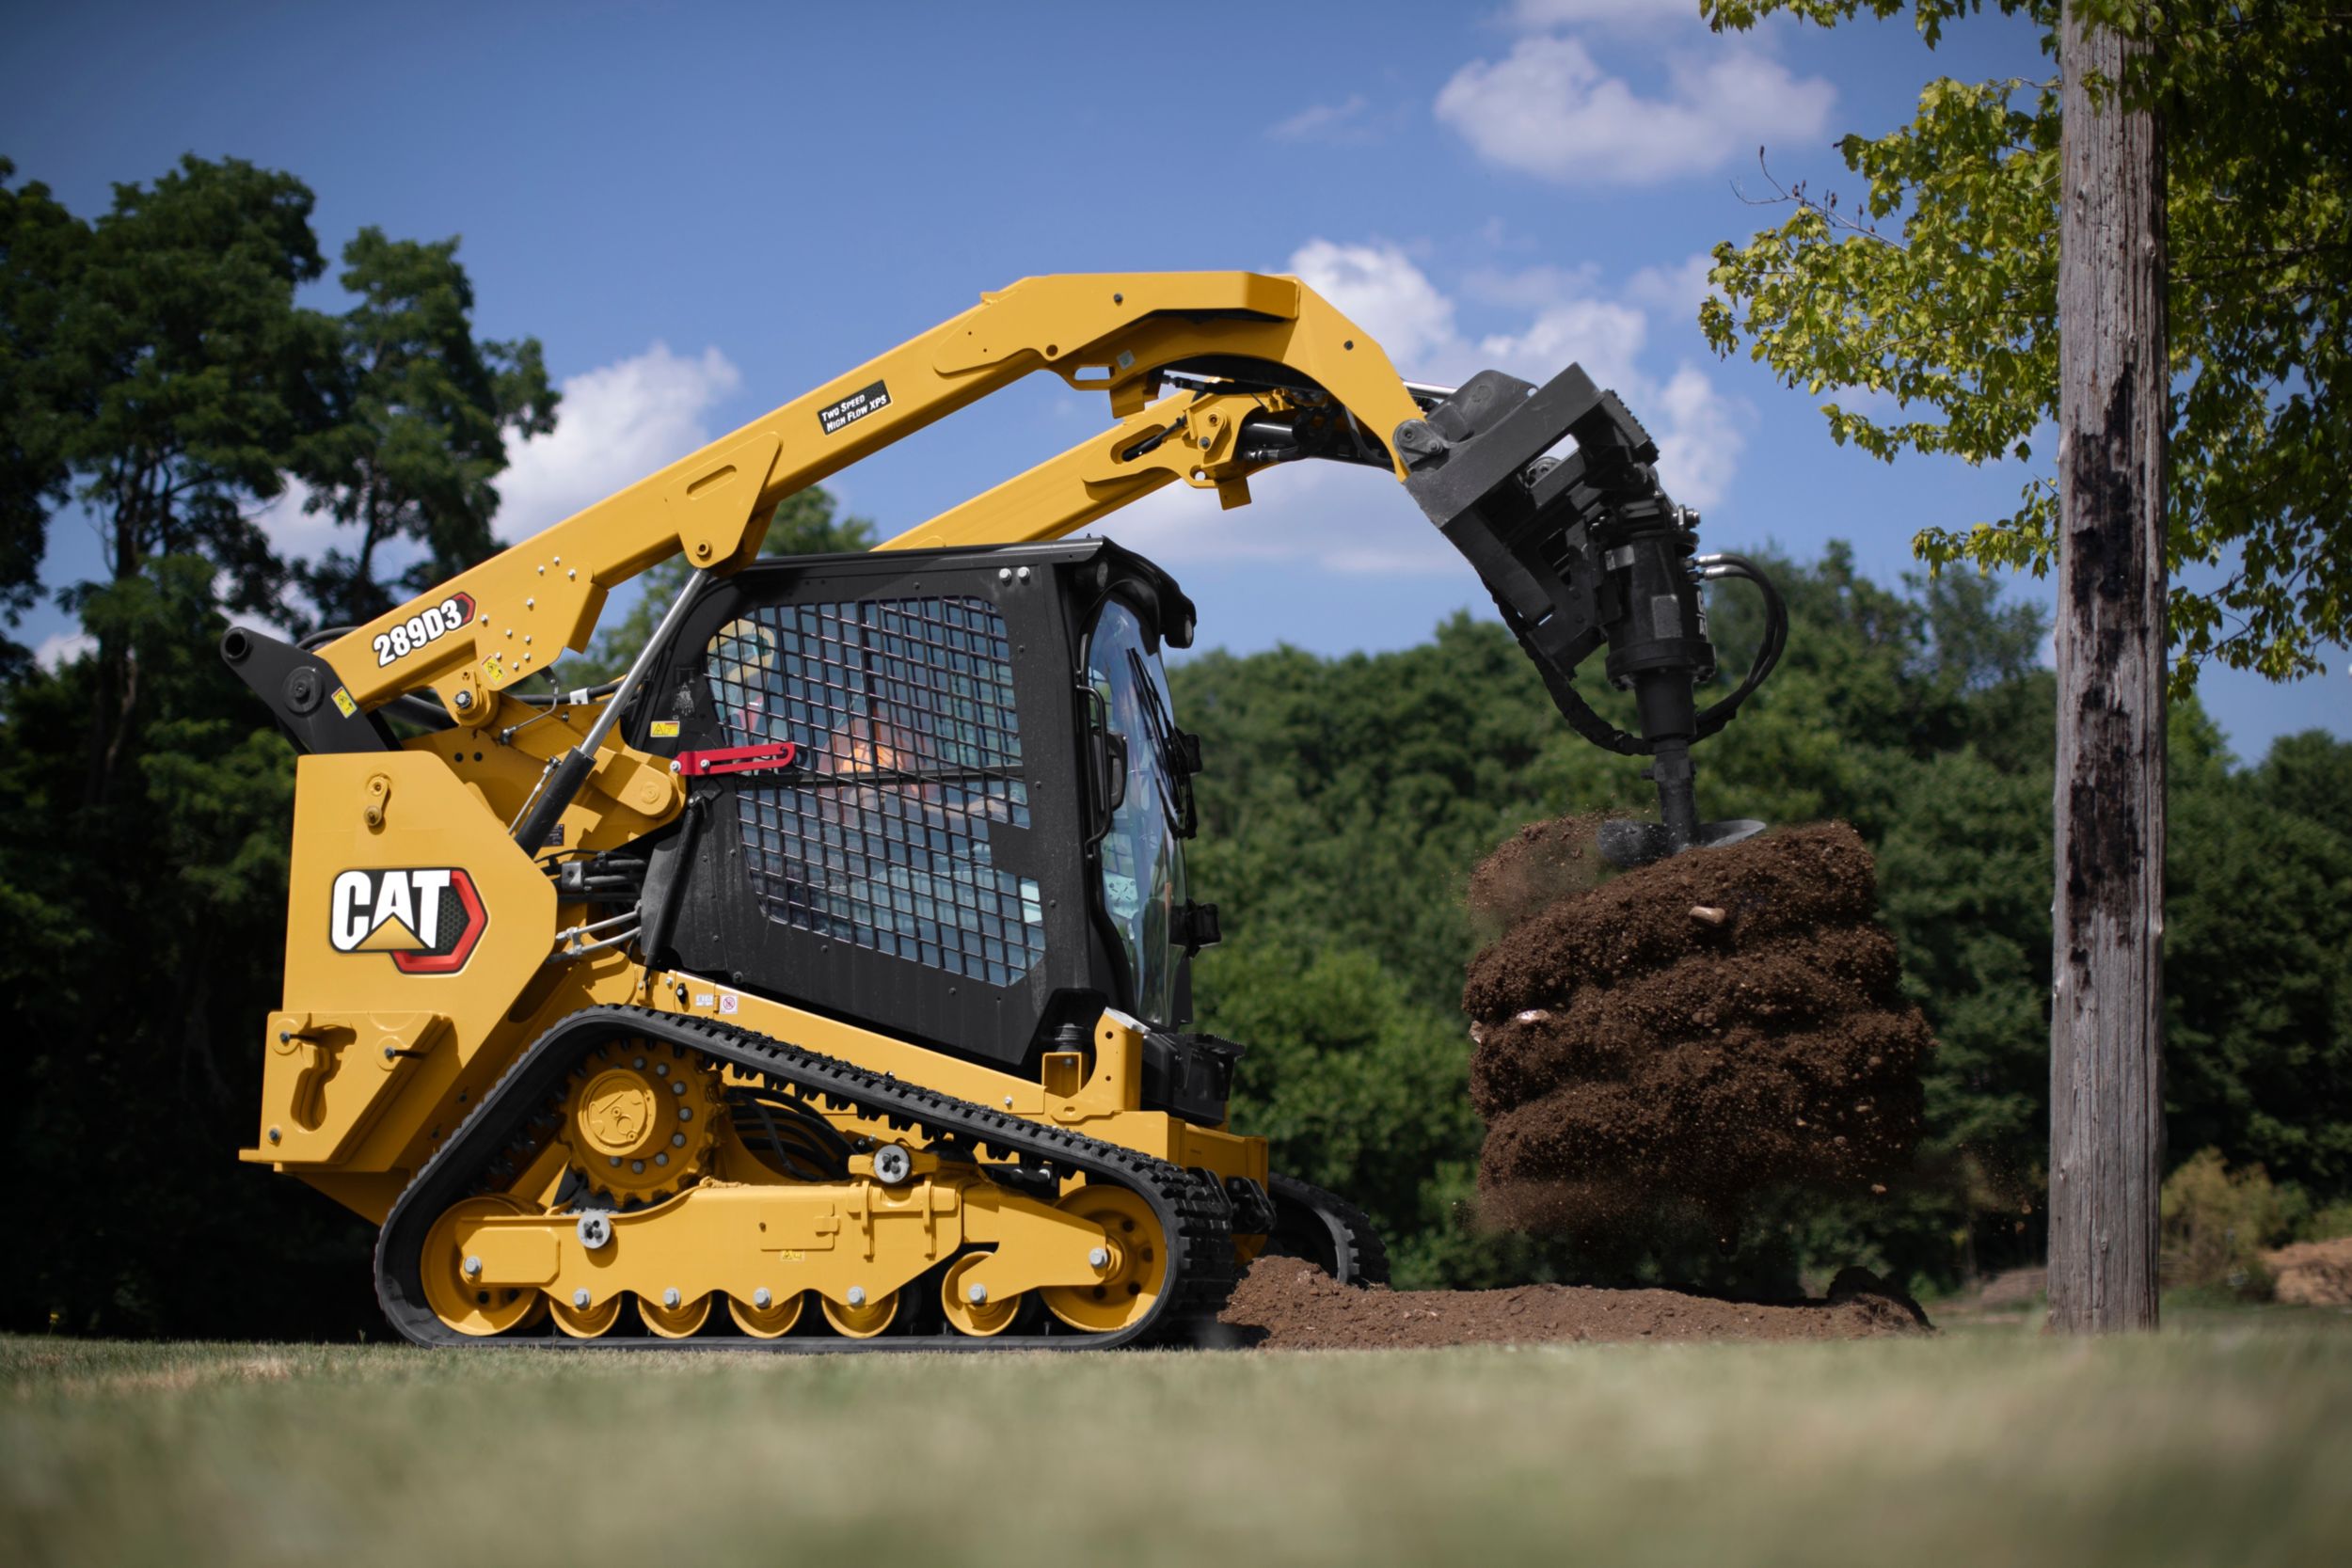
(863, 1322)
(978, 1319)
(770, 1321)
(681, 1321)
(449, 1290)
(1137, 1267)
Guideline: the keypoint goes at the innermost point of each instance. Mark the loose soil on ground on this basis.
(1288, 1303)
(1696, 1031)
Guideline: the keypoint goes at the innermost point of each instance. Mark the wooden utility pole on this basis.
(2107, 1015)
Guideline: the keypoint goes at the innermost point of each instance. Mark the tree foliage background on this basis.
(1930, 292)
(1346, 800)
(160, 370)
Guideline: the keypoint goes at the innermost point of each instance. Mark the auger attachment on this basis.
(1584, 551)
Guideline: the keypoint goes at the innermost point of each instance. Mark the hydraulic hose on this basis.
(1714, 568)
(561, 783)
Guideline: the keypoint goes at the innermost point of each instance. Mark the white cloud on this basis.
(1698, 432)
(1570, 318)
(1698, 429)
(1380, 290)
(1346, 519)
(62, 648)
(617, 425)
(294, 532)
(1605, 336)
(1535, 16)
(1676, 290)
(1344, 123)
(1328, 516)
(1549, 110)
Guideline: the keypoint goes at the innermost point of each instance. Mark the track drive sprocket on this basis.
(641, 1119)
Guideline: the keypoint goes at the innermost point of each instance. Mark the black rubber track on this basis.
(1326, 1230)
(1194, 1215)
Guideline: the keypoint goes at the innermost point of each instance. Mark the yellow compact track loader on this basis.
(824, 982)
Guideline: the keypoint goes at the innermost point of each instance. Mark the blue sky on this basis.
(702, 210)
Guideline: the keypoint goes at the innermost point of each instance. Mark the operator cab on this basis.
(979, 844)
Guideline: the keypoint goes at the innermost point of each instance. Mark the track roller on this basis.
(771, 1321)
(981, 1319)
(864, 1322)
(592, 1321)
(681, 1321)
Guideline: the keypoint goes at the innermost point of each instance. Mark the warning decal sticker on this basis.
(847, 411)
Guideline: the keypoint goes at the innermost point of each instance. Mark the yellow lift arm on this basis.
(509, 617)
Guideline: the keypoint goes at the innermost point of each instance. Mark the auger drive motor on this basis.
(825, 980)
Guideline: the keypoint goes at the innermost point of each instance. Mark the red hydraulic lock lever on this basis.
(765, 758)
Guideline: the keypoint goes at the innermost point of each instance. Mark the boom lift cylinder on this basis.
(563, 777)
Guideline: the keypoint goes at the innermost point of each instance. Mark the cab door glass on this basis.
(1142, 858)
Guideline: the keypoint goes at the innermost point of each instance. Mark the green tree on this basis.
(2257, 961)
(159, 371)
(181, 376)
(419, 417)
(39, 247)
(137, 935)
(1936, 286)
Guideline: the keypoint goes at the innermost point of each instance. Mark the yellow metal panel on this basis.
(430, 823)
(515, 1254)
(785, 1238)
(1082, 318)
(628, 793)
(326, 1077)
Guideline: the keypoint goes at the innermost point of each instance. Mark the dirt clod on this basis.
(2312, 1274)
(1533, 869)
(1288, 1303)
(1701, 1029)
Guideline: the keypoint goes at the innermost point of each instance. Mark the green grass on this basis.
(2225, 1441)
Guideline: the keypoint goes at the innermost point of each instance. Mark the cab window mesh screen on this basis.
(910, 752)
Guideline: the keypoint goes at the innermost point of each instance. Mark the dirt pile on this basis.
(1698, 1030)
(1288, 1303)
(2312, 1274)
(2015, 1287)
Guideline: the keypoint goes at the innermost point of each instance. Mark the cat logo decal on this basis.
(426, 919)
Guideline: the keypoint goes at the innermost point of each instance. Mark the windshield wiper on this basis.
(1175, 776)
